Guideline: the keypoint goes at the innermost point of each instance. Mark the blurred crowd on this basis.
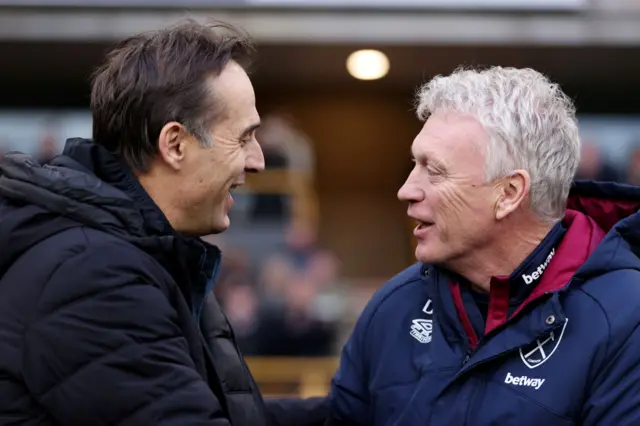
(594, 165)
(291, 302)
(283, 292)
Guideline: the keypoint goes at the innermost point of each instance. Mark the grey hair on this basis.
(531, 125)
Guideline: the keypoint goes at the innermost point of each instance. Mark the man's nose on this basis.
(255, 158)
(410, 192)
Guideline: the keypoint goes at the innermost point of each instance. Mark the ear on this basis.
(172, 143)
(512, 191)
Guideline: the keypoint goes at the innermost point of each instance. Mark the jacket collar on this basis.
(188, 259)
(108, 168)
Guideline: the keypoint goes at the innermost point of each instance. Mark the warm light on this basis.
(368, 64)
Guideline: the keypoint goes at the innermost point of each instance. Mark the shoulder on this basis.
(617, 293)
(609, 305)
(90, 250)
(397, 284)
(83, 262)
(402, 289)
(388, 304)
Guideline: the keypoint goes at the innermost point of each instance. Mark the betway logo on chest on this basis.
(524, 381)
(537, 273)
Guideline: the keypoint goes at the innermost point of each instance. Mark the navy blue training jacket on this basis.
(566, 353)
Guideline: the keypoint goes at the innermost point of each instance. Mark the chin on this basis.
(221, 225)
(426, 253)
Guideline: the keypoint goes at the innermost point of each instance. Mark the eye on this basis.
(436, 174)
(247, 139)
(434, 170)
(419, 162)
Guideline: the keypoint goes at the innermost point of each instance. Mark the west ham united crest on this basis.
(538, 352)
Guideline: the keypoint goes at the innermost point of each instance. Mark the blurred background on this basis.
(321, 229)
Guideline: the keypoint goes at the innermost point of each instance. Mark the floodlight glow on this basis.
(368, 64)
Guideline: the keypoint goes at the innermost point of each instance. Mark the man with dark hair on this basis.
(106, 311)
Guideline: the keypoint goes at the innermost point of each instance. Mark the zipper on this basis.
(208, 287)
(484, 361)
(467, 356)
(471, 351)
(482, 341)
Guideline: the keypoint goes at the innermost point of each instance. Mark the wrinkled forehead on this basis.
(450, 138)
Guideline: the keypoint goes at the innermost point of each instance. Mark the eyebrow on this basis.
(249, 129)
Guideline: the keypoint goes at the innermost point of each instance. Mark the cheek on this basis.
(483, 202)
(234, 163)
(207, 183)
(466, 211)
(451, 202)
(240, 162)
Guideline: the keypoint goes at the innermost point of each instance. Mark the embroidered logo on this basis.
(537, 353)
(422, 328)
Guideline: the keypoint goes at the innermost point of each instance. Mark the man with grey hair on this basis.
(524, 306)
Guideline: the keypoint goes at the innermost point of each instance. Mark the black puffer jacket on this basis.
(105, 312)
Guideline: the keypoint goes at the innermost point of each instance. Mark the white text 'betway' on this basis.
(537, 273)
(524, 381)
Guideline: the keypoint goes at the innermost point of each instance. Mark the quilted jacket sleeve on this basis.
(297, 411)
(349, 396)
(106, 349)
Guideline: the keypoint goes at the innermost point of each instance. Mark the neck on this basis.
(156, 186)
(502, 256)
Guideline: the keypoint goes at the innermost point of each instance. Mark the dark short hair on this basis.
(154, 78)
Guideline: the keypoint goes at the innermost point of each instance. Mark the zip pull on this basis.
(467, 357)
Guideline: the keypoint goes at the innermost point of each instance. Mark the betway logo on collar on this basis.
(523, 381)
(537, 273)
